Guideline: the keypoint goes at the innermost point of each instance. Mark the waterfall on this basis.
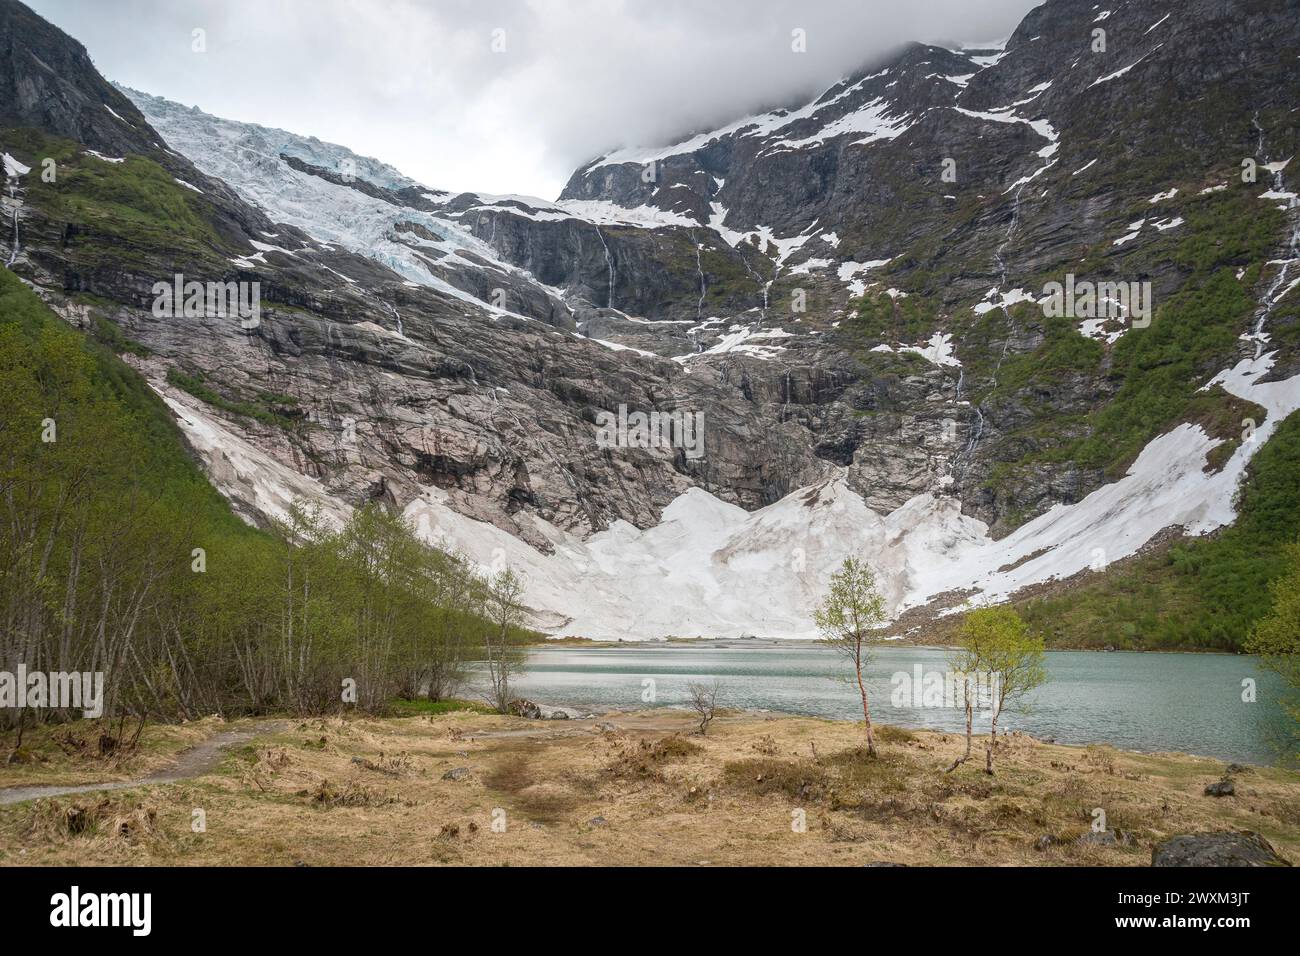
(609, 261)
(1277, 287)
(699, 268)
(16, 202)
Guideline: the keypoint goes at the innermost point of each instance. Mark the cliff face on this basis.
(852, 291)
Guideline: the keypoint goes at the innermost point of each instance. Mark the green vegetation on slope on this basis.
(118, 556)
(880, 318)
(1201, 593)
(135, 202)
(269, 408)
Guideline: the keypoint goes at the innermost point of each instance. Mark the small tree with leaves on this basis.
(964, 668)
(505, 613)
(848, 618)
(704, 701)
(1001, 648)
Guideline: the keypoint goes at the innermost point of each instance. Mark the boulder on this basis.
(1216, 849)
(522, 707)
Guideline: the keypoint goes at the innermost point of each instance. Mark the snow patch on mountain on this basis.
(13, 168)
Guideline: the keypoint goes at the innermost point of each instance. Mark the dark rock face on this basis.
(1023, 206)
(48, 82)
(1216, 849)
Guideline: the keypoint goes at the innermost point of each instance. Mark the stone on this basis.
(521, 707)
(1216, 849)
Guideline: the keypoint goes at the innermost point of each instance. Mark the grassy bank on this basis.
(633, 789)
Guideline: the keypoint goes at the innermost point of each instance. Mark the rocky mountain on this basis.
(853, 296)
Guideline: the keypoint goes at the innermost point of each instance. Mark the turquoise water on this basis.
(1148, 702)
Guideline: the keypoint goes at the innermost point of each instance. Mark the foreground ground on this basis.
(642, 789)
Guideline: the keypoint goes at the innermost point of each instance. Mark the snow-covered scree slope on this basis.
(712, 569)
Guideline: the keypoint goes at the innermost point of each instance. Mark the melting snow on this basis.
(745, 340)
(849, 271)
(13, 168)
(253, 479)
(1119, 73)
(995, 299)
(115, 116)
(873, 119)
(1156, 24)
(937, 352)
(710, 568)
(617, 347)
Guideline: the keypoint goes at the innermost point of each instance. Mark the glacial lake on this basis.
(1134, 701)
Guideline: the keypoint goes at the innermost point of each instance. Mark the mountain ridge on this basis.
(906, 380)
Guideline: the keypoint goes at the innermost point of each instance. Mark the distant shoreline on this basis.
(740, 642)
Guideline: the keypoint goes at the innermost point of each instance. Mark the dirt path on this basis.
(194, 762)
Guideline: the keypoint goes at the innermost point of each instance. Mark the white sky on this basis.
(417, 83)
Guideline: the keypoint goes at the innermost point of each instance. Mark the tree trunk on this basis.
(988, 749)
(969, 715)
(866, 709)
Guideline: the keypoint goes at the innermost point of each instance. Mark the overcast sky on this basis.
(426, 86)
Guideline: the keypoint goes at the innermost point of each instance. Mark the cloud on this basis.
(502, 95)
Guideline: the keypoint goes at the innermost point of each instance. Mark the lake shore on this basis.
(903, 641)
(1188, 703)
(626, 788)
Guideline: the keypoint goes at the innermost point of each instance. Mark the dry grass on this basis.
(70, 754)
(374, 791)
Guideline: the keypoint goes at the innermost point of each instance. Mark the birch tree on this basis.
(849, 618)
